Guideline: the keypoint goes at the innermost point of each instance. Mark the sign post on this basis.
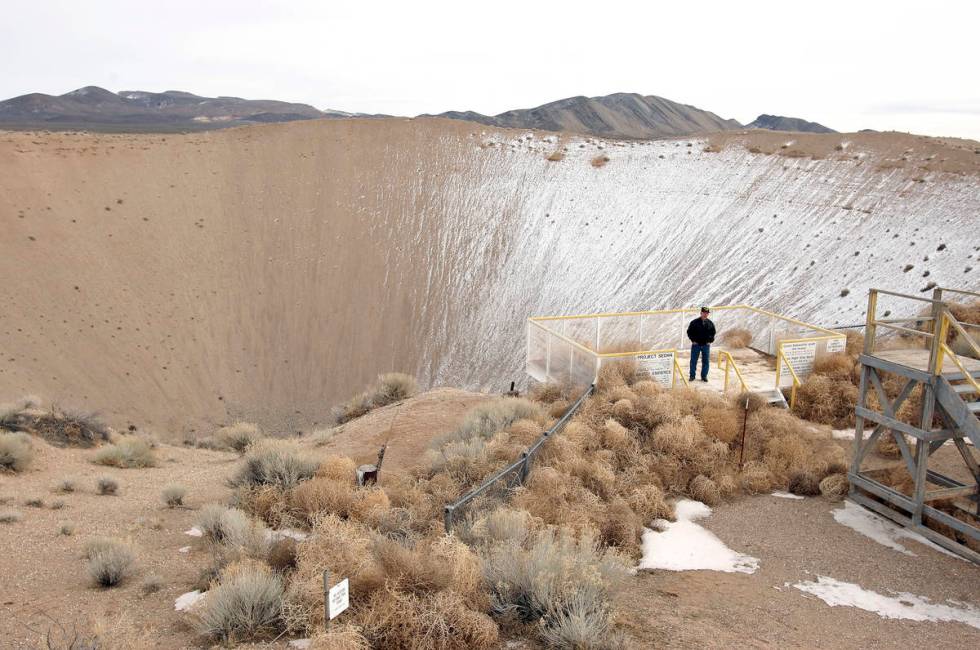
(336, 599)
(659, 366)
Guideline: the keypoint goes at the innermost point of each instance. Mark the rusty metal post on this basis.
(741, 448)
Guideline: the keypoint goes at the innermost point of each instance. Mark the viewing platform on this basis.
(755, 349)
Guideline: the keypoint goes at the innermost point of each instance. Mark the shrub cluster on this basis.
(129, 452)
(390, 388)
(238, 437)
(16, 452)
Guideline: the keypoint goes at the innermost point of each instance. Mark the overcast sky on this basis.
(907, 66)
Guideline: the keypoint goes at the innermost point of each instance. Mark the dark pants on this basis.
(704, 351)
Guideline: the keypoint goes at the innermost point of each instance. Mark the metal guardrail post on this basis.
(448, 517)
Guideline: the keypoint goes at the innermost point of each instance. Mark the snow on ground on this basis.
(683, 545)
(786, 495)
(184, 549)
(298, 535)
(194, 532)
(881, 530)
(902, 605)
(186, 601)
(843, 434)
(301, 644)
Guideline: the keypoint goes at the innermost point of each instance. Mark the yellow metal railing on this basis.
(781, 359)
(678, 371)
(731, 365)
(945, 351)
(585, 338)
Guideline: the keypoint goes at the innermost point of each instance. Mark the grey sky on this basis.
(909, 66)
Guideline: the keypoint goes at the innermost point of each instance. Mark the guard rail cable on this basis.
(521, 467)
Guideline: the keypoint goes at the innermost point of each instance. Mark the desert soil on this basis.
(795, 540)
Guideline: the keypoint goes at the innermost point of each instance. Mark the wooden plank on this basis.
(949, 493)
(892, 423)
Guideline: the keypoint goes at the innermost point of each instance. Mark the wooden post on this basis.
(869, 327)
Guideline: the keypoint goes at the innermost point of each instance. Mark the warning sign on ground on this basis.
(658, 366)
(800, 356)
(339, 598)
(836, 345)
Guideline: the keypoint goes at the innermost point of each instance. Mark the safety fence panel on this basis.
(463, 513)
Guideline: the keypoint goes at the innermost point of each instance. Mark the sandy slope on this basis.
(179, 281)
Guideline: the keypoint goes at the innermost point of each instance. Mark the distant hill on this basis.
(621, 115)
(94, 107)
(780, 123)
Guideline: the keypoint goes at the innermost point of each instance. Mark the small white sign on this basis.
(339, 598)
(800, 356)
(836, 345)
(659, 366)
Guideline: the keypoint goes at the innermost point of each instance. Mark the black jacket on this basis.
(701, 331)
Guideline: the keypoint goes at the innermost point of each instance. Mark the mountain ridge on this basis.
(618, 115)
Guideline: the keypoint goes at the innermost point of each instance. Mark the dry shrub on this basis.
(16, 452)
(151, 584)
(339, 636)
(10, 516)
(173, 495)
(736, 338)
(338, 468)
(275, 462)
(321, 496)
(440, 621)
(232, 532)
(616, 374)
(704, 490)
(649, 502)
(393, 387)
(829, 395)
(835, 487)
(487, 419)
(110, 562)
(245, 604)
(804, 484)
(755, 478)
(549, 392)
(239, 436)
(129, 452)
(282, 555)
(59, 428)
(600, 160)
(887, 445)
(721, 422)
(828, 401)
(390, 388)
(556, 156)
(107, 486)
(538, 581)
(404, 594)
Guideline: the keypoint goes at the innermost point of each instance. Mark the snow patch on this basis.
(843, 434)
(902, 605)
(683, 545)
(302, 644)
(292, 533)
(186, 601)
(184, 549)
(194, 532)
(786, 495)
(881, 530)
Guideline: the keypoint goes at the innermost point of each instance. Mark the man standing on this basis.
(701, 331)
